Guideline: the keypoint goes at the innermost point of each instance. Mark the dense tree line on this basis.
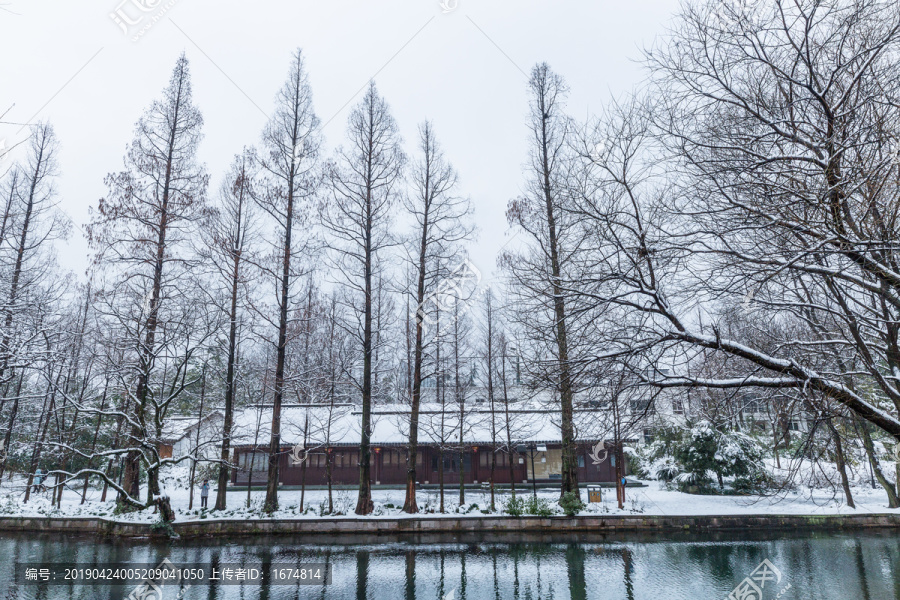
(730, 227)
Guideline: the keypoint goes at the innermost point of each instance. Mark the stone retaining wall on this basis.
(462, 524)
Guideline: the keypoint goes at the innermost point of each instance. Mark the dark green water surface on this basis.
(861, 565)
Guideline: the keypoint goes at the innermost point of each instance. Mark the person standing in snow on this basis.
(38, 480)
(204, 493)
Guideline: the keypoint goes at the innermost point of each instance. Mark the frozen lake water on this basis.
(858, 565)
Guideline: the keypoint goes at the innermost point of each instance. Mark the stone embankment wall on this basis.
(462, 524)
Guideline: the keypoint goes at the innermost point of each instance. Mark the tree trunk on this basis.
(148, 348)
(409, 504)
(164, 506)
(841, 462)
(271, 504)
(94, 440)
(228, 422)
(7, 439)
(305, 460)
(197, 437)
(876, 466)
(364, 504)
(509, 446)
(441, 475)
(328, 476)
(567, 428)
(36, 453)
(490, 391)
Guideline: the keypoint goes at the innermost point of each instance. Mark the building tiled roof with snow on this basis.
(318, 425)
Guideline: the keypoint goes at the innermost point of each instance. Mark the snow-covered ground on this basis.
(654, 499)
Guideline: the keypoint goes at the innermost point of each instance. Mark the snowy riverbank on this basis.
(652, 500)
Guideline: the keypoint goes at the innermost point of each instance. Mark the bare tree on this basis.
(441, 225)
(761, 175)
(364, 184)
(460, 333)
(141, 229)
(226, 246)
(489, 346)
(30, 223)
(538, 274)
(289, 160)
(786, 186)
(505, 349)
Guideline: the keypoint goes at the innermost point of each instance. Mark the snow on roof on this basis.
(317, 425)
(177, 427)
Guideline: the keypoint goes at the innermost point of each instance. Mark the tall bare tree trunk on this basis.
(236, 252)
(840, 461)
(305, 460)
(94, 439)
(461, 402)
(489, 317)
(43, 426)
(196, 452)
(7, 438)
(358, 218)
(509, 445)
(546, 87)
(409, 504)
(875, 465)
(291, 140)
(441, 221)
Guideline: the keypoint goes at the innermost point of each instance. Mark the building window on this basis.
(794, 425)
(255, 461)
(648, 436)
(677, 407)
(641, 407)
(581, 460)
(450, 464)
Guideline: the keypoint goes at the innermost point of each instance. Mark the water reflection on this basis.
(863, 565)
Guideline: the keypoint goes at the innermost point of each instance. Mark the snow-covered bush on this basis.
(539, 507)
(571, 504)
(655, 460)
(696, 457)
(666, 469)
(514, 507)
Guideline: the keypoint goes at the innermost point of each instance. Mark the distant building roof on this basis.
(390, 425)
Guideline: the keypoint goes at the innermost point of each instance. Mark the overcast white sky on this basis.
(70, 63)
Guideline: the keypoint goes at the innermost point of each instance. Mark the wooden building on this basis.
(314, 433)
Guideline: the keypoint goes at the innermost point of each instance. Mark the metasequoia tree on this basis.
(288, 160)
(434, 249)
(139, 233)
(489, 355)
(30, 223)
(363, 183)
(460, 330)
(226, 247)
(537, 273)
